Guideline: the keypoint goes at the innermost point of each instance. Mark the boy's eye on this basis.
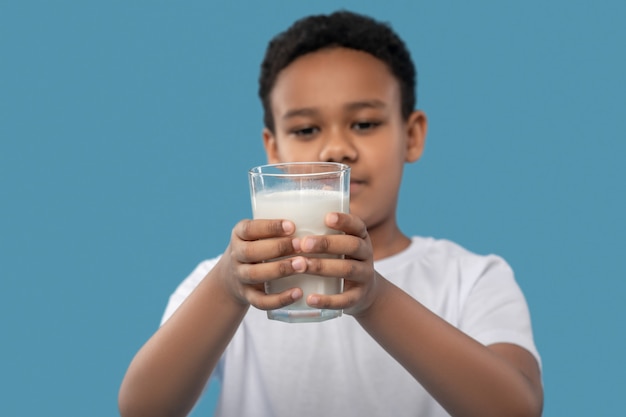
(305, 131)
(364, 126)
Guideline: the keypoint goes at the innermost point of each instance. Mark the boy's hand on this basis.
(254, 257)
(357, 267)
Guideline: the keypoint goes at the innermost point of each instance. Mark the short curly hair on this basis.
(339, 29)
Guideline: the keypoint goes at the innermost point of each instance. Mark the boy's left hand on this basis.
(356, 268)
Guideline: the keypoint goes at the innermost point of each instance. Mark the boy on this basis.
(435, 330)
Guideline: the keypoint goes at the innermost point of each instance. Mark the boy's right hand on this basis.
(256, 254)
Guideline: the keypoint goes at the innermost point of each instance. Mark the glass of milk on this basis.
(303, 192)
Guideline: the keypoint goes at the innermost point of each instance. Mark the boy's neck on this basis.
(388, 241)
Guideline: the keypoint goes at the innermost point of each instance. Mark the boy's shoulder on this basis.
(439, 247)
(437, 253)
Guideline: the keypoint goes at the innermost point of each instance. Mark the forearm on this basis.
(465, 377)
(169, 372)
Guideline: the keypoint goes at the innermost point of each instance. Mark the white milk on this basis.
(307, 209)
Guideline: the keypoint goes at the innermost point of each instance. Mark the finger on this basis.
(343, 301)
(264, 301)
(347, 223)
(262, 250)
(262, 229)
(349, 269)
(261, 272)
(347, 245)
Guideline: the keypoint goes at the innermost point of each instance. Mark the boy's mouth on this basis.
(356, 186)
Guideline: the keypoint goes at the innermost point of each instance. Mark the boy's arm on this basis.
(169, 372)
(465, 377)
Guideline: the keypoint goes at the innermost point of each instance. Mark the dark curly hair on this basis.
(342, 29)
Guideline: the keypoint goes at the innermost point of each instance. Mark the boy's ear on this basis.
(417, 126)
(271, 147)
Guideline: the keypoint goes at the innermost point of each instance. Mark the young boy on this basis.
(435, 330)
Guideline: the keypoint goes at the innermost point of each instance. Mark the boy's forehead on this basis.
(334, 75)
(336, 56)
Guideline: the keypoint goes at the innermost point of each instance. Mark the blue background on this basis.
(126, 129)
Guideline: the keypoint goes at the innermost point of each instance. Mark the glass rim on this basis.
(265, 169)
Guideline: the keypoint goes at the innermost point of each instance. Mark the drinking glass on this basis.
(303, 192)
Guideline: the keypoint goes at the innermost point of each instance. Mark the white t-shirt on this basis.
(334, 368)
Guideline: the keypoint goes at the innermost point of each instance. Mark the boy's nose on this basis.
(338, 148)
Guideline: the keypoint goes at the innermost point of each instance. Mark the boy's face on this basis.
(343, 105)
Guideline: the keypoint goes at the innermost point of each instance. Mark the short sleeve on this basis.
(186, 287)
(495, 310)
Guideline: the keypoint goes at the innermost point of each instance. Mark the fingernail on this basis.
(295, 243)
(288, 227)
(308, 244)
(313, 299)
(332, 218)
(298, 264)
(296, 294)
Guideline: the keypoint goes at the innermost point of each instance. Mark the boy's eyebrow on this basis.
(300, 112)
(357, 105)
(366, 104)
